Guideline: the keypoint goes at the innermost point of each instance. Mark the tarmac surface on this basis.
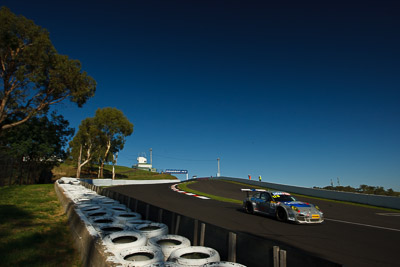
(351, 235)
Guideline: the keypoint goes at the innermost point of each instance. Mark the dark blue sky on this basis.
(300, 92)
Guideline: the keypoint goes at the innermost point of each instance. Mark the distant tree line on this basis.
(364, 189)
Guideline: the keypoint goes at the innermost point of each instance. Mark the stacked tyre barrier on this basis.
(108, 233)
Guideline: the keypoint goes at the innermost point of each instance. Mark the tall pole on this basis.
(219, 170)
(151, 157)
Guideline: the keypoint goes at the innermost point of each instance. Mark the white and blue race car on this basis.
(281, 205)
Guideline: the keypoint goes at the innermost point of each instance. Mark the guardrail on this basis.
(111, 182)
(373, 200)
(241, 247)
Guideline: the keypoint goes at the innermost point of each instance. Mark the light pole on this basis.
(151, 157)
(219, 170)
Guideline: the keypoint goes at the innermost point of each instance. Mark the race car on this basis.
(281, 205)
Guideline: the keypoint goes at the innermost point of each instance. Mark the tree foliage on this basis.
(100, 138)
(33, 75)
(30, 151)
(364, 189)
(115, 127)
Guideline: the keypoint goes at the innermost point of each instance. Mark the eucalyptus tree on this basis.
(99, 139)
(85, 144)
(33, 75)
(116, 127)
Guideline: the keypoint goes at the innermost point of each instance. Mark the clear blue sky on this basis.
(300, 92)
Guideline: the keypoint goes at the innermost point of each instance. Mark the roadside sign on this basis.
(173, 171)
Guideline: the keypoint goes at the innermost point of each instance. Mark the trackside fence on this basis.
(241, 247)
(373, 200)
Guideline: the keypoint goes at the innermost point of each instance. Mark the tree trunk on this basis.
(88, 158)
(115, 156)
(101, 170)
(11, 173)
(78, 170)
(21, 171)
(104, 159)
(30, 177)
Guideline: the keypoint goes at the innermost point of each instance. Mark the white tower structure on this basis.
(142, 163)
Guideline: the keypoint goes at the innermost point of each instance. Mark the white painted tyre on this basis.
(134, 223)
(75, 182)
(163, 264)
(107, 201)
(124, 217)
(125, 239)
(101, 220)
(79, 203)
(116, 209)
(140, 256)
(223, 264)
(194, 256)
(99, 198)
(83, 200)
(109, 228)
(88, 207)
(152, 229)
(67, 180)
(169, 243)
(91, 215)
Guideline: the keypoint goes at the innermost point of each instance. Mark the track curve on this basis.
(351, 235)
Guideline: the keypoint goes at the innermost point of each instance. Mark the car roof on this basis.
(274, 193)
(279, 193)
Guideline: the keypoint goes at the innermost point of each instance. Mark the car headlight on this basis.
(317, 207)
(295, 209)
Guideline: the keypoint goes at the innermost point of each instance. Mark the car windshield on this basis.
(283, 198)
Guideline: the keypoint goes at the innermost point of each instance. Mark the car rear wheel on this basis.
(249, 208)
(281, 215)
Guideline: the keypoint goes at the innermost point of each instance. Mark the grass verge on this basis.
(33, 228)
(184, 187)
(121, 172)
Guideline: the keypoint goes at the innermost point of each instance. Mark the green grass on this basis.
(127, 173)
(33, 228)
(184, 187)
(121, 172)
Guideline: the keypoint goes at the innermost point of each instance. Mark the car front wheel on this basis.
(249, 208)
(281, 215)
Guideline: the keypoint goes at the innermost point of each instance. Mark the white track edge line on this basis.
(367, 225)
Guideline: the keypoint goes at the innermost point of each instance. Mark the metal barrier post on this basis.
(195, 232)
(279, 257)
(202, 233)
(282, 258)
(275, 250)
(160, 211)
(178, 220)
(147, 211)
(232, 247)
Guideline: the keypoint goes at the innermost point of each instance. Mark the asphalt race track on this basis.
(351, 235)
